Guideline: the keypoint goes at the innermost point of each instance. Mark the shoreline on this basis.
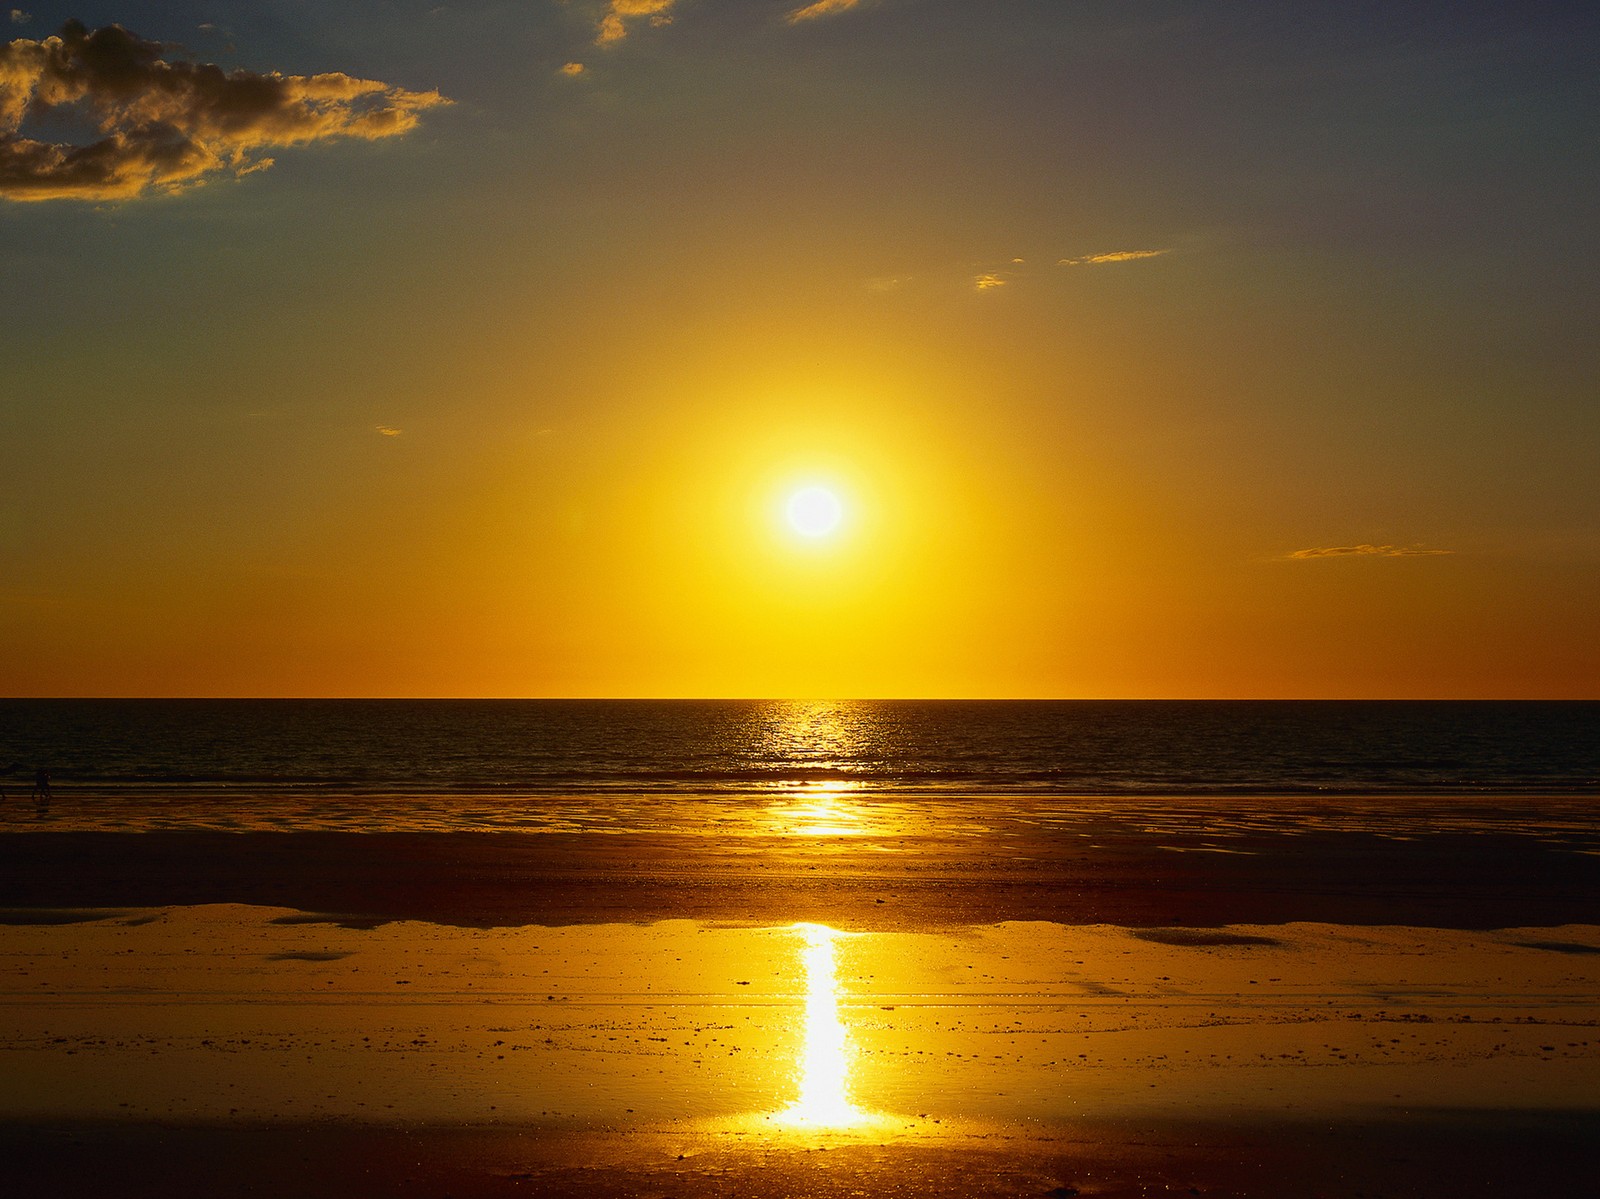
(908, 878)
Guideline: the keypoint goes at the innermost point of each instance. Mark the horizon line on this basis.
(790, 699)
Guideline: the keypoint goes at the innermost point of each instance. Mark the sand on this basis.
(918, 874)
(262, 1015)
(913, 1010)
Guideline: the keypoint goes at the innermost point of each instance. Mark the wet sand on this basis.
(907, 878)
(1460, 1157)
(1137, 1008)
(232, 1049)
(259, 1014)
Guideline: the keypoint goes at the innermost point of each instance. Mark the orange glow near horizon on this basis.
(653, 558)
(946, 574)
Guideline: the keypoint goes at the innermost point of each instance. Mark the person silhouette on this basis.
(41, 786)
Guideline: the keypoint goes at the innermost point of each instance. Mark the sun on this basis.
(814, 512)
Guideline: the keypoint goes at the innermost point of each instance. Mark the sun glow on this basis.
(814, 512)
(824, 1100)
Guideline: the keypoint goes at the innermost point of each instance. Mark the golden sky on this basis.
(474, 350)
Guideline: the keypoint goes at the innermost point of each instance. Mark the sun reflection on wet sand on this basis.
(821, 813)
(826, 1054)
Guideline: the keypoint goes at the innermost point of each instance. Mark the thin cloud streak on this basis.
(822, 8)
(165, 127)
(1113, 256)
(1367, 551)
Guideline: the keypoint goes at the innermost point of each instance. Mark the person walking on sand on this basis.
(41, 786)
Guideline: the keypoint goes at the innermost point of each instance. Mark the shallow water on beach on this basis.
(820, 813)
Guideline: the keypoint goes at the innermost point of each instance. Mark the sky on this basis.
(1149, 349)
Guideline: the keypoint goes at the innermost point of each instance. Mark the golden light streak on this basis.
(826, 1058)
(825, 816)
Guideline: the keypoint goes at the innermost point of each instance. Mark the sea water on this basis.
(889, 747)
(486, 763)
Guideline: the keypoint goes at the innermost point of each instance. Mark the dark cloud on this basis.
(161, 127)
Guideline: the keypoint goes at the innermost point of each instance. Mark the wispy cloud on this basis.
(1369, 551)
(822, 8)
(573, 68)
(614, 24)
(18, 17)
(1113, 256)
(388, 430)
(163, 127)
(993, 275)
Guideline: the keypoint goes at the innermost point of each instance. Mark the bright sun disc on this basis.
(814, 512)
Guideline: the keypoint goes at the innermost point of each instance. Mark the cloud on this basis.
(572, 68)
(18, 17)
(613, 25)
(993, 274)
(388, 430)
(1369, 551)
(822, 8)
(1114, 256)
(164, 127)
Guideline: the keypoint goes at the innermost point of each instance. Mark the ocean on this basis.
(605, 746)
(483, 764)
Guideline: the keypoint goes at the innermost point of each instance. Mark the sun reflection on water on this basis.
(826, 1056)
(821, 813)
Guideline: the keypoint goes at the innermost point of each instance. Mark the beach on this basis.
(1229, 997)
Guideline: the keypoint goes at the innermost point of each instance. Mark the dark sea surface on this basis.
(890, 747)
